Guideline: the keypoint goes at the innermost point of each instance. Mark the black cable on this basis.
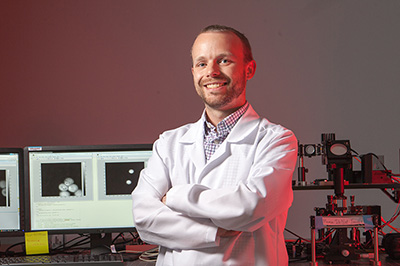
(379, 160)
(296, 235)
(64, 247)
(12, 246)
(119, 235)
(357, 154)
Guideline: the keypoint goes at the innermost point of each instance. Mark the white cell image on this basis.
(4, 198)
(61, 177)
(63, 187)
(122, 178)
(78, 193)
(73, 188)
(64, 194)
(68, 181)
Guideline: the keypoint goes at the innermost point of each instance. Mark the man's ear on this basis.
(250, 69)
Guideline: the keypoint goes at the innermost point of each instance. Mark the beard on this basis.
(220, 99)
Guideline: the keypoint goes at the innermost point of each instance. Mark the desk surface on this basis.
(348, 186)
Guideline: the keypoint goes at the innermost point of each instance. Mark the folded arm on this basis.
(261, 197)
(157, 223)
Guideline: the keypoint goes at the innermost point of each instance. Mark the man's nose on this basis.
(213, 69)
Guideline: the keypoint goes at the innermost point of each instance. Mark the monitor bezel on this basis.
(21, 183)
(74, 148)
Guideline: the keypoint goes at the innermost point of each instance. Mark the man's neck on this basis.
(214, 116)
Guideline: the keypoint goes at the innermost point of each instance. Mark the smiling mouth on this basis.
(215, 85)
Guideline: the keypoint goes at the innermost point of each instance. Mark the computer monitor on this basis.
(11, 188)
(82, 189)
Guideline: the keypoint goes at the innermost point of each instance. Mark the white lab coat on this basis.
(245, 186)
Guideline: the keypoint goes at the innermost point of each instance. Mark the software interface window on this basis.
(9, 196)
(83, 190)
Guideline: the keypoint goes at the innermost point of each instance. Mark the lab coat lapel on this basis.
(194, 139)
(243, 132)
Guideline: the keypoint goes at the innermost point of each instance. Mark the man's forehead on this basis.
(207, 40)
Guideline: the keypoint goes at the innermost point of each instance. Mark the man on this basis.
(217, 192)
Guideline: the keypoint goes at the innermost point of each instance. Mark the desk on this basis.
(395, 187)
(348, 186)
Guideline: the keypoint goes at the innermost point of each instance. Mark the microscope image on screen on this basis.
(62, 180)
(4, 199)
(122, 178)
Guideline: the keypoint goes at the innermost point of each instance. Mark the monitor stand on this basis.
(100, 243)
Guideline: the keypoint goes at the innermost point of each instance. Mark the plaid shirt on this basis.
(214, 136)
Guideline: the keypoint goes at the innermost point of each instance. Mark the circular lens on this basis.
(309, 150)
(338, 149)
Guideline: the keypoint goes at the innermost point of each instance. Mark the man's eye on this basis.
(224, 61)
(201, 64)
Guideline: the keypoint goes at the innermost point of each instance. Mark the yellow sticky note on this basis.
(36, 243)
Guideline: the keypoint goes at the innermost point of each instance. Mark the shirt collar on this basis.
(227, 123)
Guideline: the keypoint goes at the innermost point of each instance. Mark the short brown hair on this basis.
(248, 55)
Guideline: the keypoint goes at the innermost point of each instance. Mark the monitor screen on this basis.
(11, 187)
(82, 189)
